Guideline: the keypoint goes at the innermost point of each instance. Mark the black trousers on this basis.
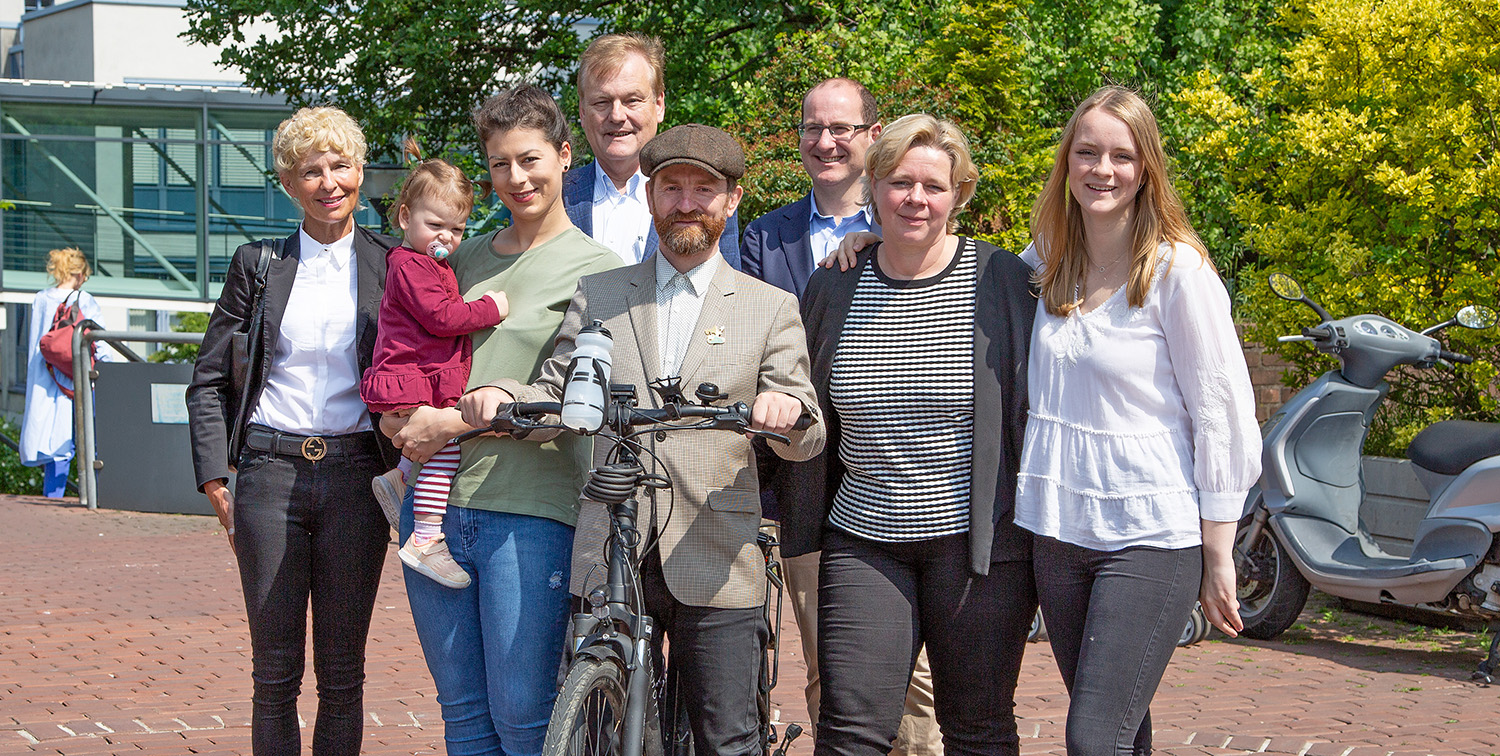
(1113, 618)
(309, 531)
(879, 602)
(716, 655)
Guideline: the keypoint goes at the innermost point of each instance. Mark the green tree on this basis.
(405, 68)
(1367, 168)
(187, 322)
(399, 67)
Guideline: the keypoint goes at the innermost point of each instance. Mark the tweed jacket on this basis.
(211, 402)
(578, 201)
(1004, 310)
(775, 248)
(709, 519)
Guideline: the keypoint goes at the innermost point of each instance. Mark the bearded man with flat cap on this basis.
(687, 313)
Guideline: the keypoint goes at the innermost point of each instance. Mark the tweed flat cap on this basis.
(695, 144)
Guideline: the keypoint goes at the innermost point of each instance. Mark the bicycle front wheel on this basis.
(588, 718)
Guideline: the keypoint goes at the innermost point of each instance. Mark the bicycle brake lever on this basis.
(769, 436)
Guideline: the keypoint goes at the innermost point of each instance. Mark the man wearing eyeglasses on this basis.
(839, 123)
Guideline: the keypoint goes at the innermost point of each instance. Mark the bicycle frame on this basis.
(614, 628)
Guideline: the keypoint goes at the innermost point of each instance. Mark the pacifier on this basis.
(438, 251)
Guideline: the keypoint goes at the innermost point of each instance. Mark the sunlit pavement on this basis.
(123, 633)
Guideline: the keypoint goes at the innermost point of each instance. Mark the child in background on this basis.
(423, 353)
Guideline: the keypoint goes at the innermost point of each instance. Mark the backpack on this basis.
(56, 345)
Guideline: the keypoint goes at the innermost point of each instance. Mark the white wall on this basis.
(112, 41)
(60, 43)
(122, 33)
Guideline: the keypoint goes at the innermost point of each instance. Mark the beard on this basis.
(690, 241)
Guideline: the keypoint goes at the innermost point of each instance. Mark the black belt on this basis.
(311, 448)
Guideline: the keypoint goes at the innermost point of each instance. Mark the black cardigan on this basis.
(1004, 309)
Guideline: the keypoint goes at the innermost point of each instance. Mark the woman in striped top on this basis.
(917, 352)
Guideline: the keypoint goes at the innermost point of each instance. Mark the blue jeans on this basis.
(495, 647)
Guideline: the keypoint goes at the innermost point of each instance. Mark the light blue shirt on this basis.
(824, 232)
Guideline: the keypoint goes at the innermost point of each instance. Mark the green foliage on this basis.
(399, 67)
(1366, 167)
(16, 478)
(187, 322)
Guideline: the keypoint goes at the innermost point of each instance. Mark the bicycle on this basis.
(613, 701)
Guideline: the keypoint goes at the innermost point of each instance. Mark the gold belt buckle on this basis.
(314, 448)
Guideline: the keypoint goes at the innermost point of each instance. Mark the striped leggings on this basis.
(434, 481)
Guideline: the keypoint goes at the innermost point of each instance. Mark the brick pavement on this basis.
(122, 633)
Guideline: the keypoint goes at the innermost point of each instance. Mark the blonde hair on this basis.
(63, 264)
(1057, 219)
(922, 130)
(436, 181)
(606, 55)
(321, 129)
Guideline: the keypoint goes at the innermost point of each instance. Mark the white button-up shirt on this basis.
(679, 301)
(313, 385)
(622, 221)
(825, 231)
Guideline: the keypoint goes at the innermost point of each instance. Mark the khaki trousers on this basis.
(919, 734)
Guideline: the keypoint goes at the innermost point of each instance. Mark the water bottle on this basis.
(587, 384)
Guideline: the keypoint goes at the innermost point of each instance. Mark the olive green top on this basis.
(503, 474)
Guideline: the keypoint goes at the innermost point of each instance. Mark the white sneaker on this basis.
(433, 560)
(390, 489)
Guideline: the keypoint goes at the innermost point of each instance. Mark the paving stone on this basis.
(135, 621)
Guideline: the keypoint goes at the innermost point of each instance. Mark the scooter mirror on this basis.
(1286, 287)
(1476, 316)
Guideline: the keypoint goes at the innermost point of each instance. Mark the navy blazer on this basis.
(775, 248)
(578, 201)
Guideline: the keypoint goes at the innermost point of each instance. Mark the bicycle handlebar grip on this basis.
(1455, 357)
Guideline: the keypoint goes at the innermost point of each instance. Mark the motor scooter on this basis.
(1302, 526)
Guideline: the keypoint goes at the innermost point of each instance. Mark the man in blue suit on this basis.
(621, 101)
(839, 123)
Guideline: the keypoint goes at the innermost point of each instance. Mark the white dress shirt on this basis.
(313, 385)
(679, 301)
(826, 231)
(1142, 418)
(622, 221)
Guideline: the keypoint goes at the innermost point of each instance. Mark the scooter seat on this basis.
(1447, 448)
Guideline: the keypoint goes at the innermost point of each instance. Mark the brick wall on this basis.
(1265, 376)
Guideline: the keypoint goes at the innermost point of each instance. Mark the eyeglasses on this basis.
(812, 132)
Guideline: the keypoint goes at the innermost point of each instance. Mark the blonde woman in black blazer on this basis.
(302, 521)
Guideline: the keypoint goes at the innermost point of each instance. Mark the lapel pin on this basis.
(715, 335)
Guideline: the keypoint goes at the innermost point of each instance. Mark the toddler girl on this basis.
(422, 353)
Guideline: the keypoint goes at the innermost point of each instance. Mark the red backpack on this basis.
(57, 343)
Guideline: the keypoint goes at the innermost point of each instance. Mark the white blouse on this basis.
(1142, 419)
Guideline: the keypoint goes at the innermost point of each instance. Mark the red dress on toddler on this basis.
(423, 354)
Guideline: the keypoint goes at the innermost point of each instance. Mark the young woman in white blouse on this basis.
(1141, 442)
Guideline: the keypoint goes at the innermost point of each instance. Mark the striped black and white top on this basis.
(902, 383)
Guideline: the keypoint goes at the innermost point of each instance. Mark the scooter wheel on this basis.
(1196, 629)
(1270, 589)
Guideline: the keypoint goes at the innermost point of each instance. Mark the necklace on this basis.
(1103, 268)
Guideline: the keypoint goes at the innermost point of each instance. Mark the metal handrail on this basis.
(84, 335)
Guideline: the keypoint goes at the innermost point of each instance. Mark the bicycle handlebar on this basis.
(519, 419)
(1455, 357)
